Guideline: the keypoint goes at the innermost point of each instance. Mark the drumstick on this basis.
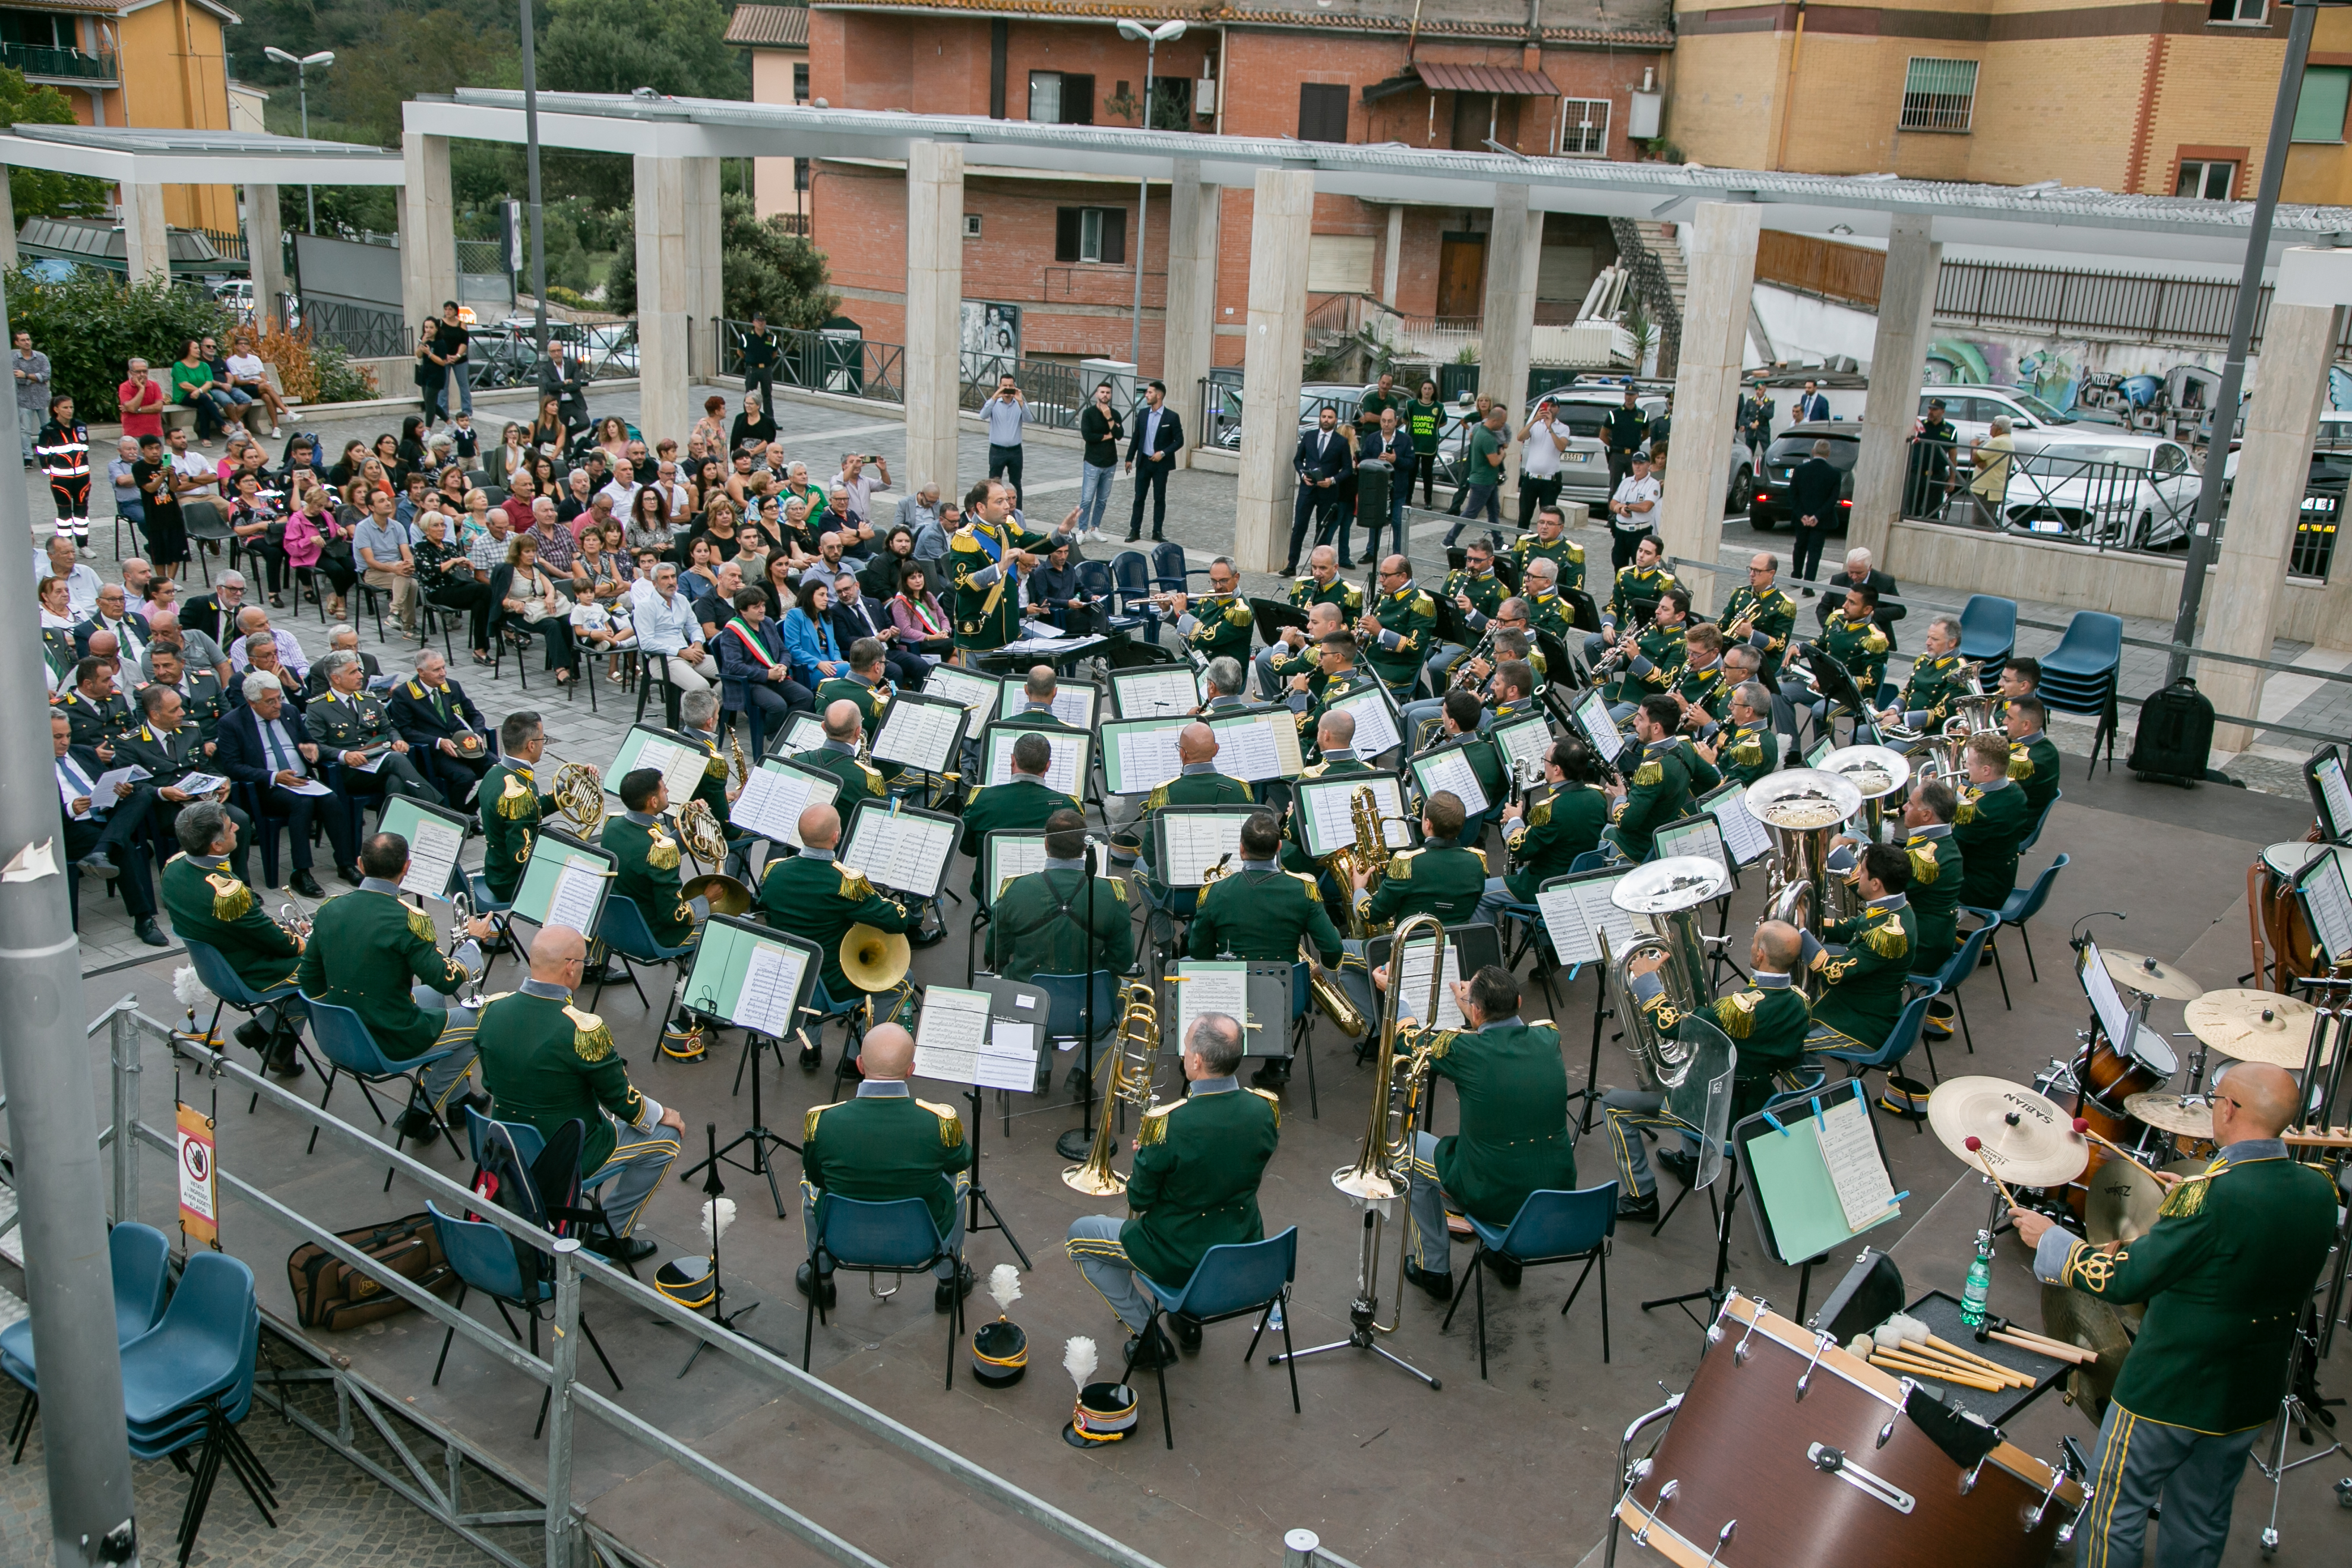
(1976, 1146)
(1890, 1362)
(1970, 1358)
(2084, 1128)
(1968, 1366)
(2055, 1351)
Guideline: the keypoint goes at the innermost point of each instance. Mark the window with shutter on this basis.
(1322, 112)
(1114, 235)
(1077, 99)
(1065, 233)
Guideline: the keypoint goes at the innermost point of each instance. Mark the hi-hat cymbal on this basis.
(2123, 1200)
(2182, 1115)
(2149, 976)
(2027, 1141)
(2254, 1025)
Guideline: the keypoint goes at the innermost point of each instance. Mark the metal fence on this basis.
(824, 360)
(362, 332)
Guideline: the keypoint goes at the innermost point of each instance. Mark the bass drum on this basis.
(1749, 1447)
(2285, 948)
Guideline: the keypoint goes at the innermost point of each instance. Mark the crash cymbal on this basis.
(2183, 1115)
(2028, 1142)
(2148, 976)
(2254, 1027)
(2123, 1200)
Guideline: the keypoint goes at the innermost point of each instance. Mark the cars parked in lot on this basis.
(1768, 493)
(1972, 409)
(2136, 493)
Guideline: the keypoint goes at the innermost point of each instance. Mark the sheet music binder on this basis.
(933, 876)
(549, 853)
(401, 813)
(893, 742)
(1007, 855)
(714, 983)
(1797, 1211)
(1231, 817)
(824, 789)
(1265, 989)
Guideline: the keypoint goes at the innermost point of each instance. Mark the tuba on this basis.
(1382, 1169)
(1802, 809)
(1130, 1084)
(1670, 893)
(1878, 774)
(580, 796)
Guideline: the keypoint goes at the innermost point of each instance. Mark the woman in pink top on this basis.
(142, 401)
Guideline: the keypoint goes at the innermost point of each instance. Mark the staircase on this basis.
(1655, 263)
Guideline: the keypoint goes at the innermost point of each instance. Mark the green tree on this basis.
(760, 268)
(675, 46)
(92, 324)
(36, 192)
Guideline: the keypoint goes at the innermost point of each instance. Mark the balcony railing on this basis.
(39, 60)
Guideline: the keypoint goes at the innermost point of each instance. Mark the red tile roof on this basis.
(769, 27)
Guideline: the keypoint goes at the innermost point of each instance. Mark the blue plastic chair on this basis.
(140, 1258)
(229, 990)
(529, 1145)
(351, 1049)
(1893, 1049)
(898, 1238)
(1130, 577)
(1169, 573)
(2087, 653)
(1231, 1280)
(1947, 983)
(2033, 834)
(190, 1380)
(1096, 580)
(1065, 1010)
(851, 1012)
(621, 928)
(483, 1257)
(1551, 1227)
(1987, 628)
(2021, 905)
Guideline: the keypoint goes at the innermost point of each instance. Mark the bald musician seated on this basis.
(546, 1062)
(879, 1147)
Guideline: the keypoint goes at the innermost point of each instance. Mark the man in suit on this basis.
(1859, 573)
(1321, 461)
(855, 617)
(130, 633)
(1811, 404)
(263, 746)
(215, 613)
(1391, 445)
(446, 734)
(102, 838)
(1155, 439)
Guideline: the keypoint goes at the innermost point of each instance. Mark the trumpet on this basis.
(1130, 1084)
(295, 921)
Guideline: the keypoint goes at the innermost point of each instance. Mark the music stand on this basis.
(1586, 926)
(900, 847)
(1588, 613)
(2331, 795)
(682, 770)
(713, 1189)
(550, 887)
(765, 1005)
(949, 1052)
(1836, 685)
(1797, 1211)
(1444, 767)
(1272, 615)
(777, 817)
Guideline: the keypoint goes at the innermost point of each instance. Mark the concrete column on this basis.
(1393, 254)
(2241, 600)
(265, 251)
(428, 232)
(705, 300)
(934, 299)
(7, 225)
(1514, 250)
(146, 233)
(1282, 217)
(1899, 358)
(677, 245)
(1188, 322)
(1722, 255)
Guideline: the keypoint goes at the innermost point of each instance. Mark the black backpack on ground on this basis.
(2174, 741)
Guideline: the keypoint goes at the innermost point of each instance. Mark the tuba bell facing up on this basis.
(1802, 809)
(1670, 893)
(1130, 1071)
(1879, 774)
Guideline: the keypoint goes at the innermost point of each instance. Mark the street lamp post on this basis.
(1150, 38)
(531, 174)
(301, 63)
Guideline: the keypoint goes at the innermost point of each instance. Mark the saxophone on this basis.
(1368, 852)
(742, 767)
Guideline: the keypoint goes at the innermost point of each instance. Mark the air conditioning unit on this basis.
(1204, 97)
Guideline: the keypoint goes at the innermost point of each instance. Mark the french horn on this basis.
(580, 796)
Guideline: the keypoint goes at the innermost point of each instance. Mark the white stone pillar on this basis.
(7, 224)
(705, 300)
(1392, 261)
(265, 250)
(1707, 388)
(934, 301)
(146, 233)
(428, 233)
(1188, 322)
(677, 219)
(2241, 609)
(1282, 217)
(1899, 358)
(1514, 250)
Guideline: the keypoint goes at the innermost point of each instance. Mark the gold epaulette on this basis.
(661, 854)
(950, 1122)
(1237, 614)
(231, 899)
(808, 1126)
(965, 540)
(1887, 940)
(1576, 553)
(1353, 595)
(1272, 1100)
(1965, 814)
(1156, 799)
(1481, 854)
(873, 776)
(1748, 753)
(715, 767)
(1736, 1013)
(421, 925)
(516, 800)
(853, 884)
(1647, 774)
(1308, 879)
(1074, 802)
(416, 690)
(1541, 814)
(1117, 888)
(2187, 1196)
(1873, 640)
(1924, 868)
(591, 1042)
(1154, 1128)
(1401, 864)
(2021, 765)
(1424, 602)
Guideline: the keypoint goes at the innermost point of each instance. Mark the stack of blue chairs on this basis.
(2078, 676)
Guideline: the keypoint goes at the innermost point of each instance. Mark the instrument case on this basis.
(2174, 741)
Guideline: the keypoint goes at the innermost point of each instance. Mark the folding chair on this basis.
(1231, 1280)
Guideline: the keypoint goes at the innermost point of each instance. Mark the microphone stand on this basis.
(713, 1189)
(1074, 1143)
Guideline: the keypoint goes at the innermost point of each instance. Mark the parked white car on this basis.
(1972, 409)
(2118, 489)
(1584, 462)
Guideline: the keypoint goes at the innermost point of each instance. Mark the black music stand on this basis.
(1003, 1004)
(1713, 1294)
(1588, 613)
(1836, 686)
(758, 1135)
(1074, 1143)
(1272, 615)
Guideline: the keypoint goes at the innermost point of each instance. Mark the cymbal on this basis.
(2183, 1115)
(2028, 1142)
(2254, 1027)
(2149, 976)
(2123, 1200)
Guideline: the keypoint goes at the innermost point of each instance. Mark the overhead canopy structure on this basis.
(136, 155)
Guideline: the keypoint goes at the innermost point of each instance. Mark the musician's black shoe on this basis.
(150, 934)
(1640, 1205)
(1188, 1332)
(802, 1278)
(349, 874)
(623, 1249)
(1439, 1285)
(1505, 1270)
(454, 1114)
(1274, 1075)
(1150, 1354)
(811, 1058)
(253, 1034)
(1289, 568)
(307, 885)
(418, 1124)
(1684, 1167)
(284, 1062)
(944, 1293)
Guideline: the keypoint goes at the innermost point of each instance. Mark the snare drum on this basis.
(1752, 1445)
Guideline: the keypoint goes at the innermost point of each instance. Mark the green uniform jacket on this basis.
(1633, 583)
(1439, 878)
(858, 781)
(1987, 828)
(1861, 648)
(870, 703)
(209, 905)
(510, 807)
(1194, 1183)
(1411, 615)
(1032, 930)
(820, 899)
(1771, 613)
(547, 1062)
(1486, 590)
(1260, 914)
(1306, 592)
(1934, 895)
(1293, 854)
(1658, 664)
(1750, 751)
(648, 875)
(1211, 788)
(976, 624)
(1286, 661)
(343, 723)
(1766, 1026)
(2033, 768)
(380, 946)
(1549, 613)
(1220, 627)
(878, 1148)
(1861, 989)
(1516, 1137)
(1567, 557)
(1657, 792)
(1551, 836)
(1708, 689)
(1933, 686)
(2224, 1272)
(1019, 805)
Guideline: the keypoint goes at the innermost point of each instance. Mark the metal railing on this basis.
(838, 361)
(564, 1523)
(1055, 393)
(42, 60)
(226, 243)
(1220, 421)
(362, 332)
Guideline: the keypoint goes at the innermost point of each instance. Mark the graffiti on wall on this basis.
(2148, 387)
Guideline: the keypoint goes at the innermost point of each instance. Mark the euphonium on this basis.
(1669, 892)
(1382, 1163)
(1130, 1083)
(580, 796)
(1802, 809)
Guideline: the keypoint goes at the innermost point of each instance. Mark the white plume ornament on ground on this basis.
(725, 1208)
(1005, 1284)
(1079, 1359)
(187, 988)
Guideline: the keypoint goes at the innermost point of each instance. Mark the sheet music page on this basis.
(1593, 714)
(1742, 834)
(1601, 916)
(1154, 693)
(771, 978)
(433, 847)
(1146, 759)
(1527, 742)
(903, 852)
(978, 693)
(1851, 1153)
(922, 735)
(774, 799)
(1062, 774)
(802, 732)
(661, 755)
(1289, 761)
(1195, 843)
(949, 1033)
(1259, 747)
(1013, 858)
(1702, 839)
(1209, 985)
(2336, 793)
(1376, 730)
(1416, 983)
(1331, 825)
(1450, 769)
(1563, 916)
(1008, 1057)
(574, 902)
(2323, 892)
(2115, 1017)
(1074, 706)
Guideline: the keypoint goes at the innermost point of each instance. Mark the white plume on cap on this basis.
(185, 986)
(1078, 1358)
(725, 1208)
(1005, 1284)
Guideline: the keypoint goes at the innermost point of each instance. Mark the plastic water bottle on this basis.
(1274, 1321)
(1979, 1283)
